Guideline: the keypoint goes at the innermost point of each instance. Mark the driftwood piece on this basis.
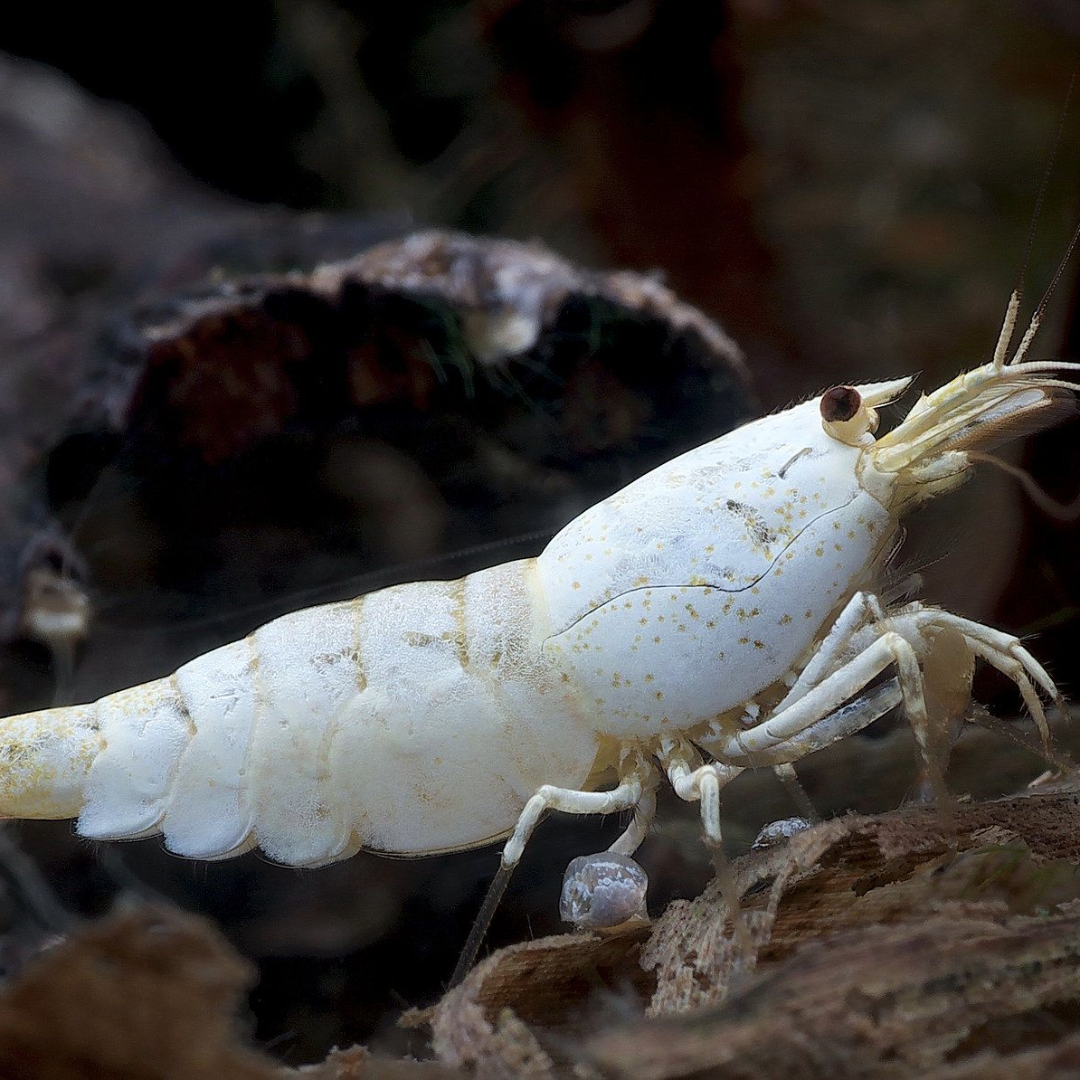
(882, 946)
(880, 1000)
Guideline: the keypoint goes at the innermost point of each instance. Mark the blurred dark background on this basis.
(846, 186)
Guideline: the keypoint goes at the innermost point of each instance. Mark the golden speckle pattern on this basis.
(721, 516)
(686, 571)
(44, 760)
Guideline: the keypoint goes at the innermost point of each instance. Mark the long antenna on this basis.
(1059, 135)
(1036, 318)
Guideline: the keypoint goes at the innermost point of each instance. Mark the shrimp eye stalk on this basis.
(846, 417)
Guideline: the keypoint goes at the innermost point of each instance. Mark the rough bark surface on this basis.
(881, 946)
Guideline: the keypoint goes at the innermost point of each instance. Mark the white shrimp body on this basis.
(422, 717)
(701, 584)
(725, 601)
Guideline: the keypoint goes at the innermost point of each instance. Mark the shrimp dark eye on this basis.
(840, 403)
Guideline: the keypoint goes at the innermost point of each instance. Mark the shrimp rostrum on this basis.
(720, 613)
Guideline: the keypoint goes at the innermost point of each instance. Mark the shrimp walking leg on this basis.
(920, 624)
(623, 797)
(694, 781)
(856, 613)
(785, 773)
(644, 812)
(900, 639)
(637, 791)
(758, 745)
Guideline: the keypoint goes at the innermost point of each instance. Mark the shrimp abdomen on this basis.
(415, 719)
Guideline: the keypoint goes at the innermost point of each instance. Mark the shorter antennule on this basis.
(1001, 350)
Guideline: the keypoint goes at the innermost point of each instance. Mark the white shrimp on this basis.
(717, 614)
